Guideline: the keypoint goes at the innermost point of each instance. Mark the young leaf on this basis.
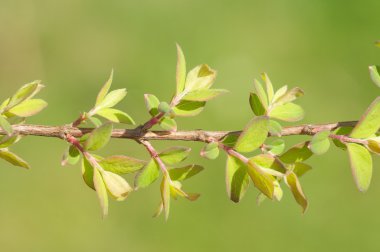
(288, 112)
(164, 107)
(276, 147)
(104, 90)
(369, 123)
(122, 164)
(204, 94)
(298, 153)
(269, 86)
(116, 185)
(5, 125)
(27, 108)
(168, 123)
(256, 105)
(13, 158)
(269, 162)
(174, 155)
(290, 96)
(99, 137)
(182, 173)
(280, 92)
(71, 156)
(300, 169)
(188, 108)
(24, 93)
(374, 72)
(361, 165)
(230, 140)
(320, 143)
(101, 191)
(210, 151)
(165, 194)
(259, 90)
(115, 115)
(373, 146)
(237, 178)
(7, 141)
(181, 70)
(201, 77)
(95, 121)
(262, 181)
(147, 175)
(88, 173)
(253, 135)
(295, 186)
(151, 103)
(111, 99)
(275, 128)
(341, 131)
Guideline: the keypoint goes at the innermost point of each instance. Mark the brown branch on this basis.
(191, 135)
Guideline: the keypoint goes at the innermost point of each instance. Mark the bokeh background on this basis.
(72, 45)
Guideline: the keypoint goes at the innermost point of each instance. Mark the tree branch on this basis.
(191, 135)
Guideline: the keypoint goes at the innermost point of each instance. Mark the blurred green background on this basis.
(321, 46)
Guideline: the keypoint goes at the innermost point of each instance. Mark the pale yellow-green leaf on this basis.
(147, 175)
(361, 165)
(204, 94)
(237, 178)
(104, 90)
(117, 186)
(253, 135)
(369, 123)
(269, 86)
(99, 137)
(115, 115)
(24, 93)
(289, 112)
(201, 77)
(13, 158)
(180, 71)
(262, 180)
(122, 164)
(111, 99)
(101, 192)
(296, 189)
(28, 108)
(5, 125)
(165, 194)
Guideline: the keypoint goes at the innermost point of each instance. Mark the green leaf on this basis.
(201, 77)
(95, 121)
(147, 175)
(361, 165)
(262, 180)
(374, 73)
(276, 147)
(256, 105)
(295, 186)
(374, 146)
(298, 153)
(99, 137)
(101, 191)
(182, 173)
(111, 99)
(115, 115)
(88, 173)
(24, 93)
(204, 94)
(280, 92)
(151, 103)
(269, 86)
(5, 125)
(289, 96)
(237, 178)
(188, 108)
(369, 123)
(320, 142)
(275, 128)
(164, 107)
(27, 108)
(104, 90)
(168, 123)
(180, 71)
(230, 139)
(174, 155)
(116, 185)
(71, 156)
(259, 90)
(165, 194)
(7, 141)
(210, 150)
(300, 169)
(341, 131)
(269, 162)
(13, 158)
(288, 112)
(253, 135)
(122, 164)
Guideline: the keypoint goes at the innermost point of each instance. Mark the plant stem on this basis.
(153, 153)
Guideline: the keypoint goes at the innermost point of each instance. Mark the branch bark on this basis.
(191, 135)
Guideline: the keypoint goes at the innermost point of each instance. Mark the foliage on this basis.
(257, 154)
